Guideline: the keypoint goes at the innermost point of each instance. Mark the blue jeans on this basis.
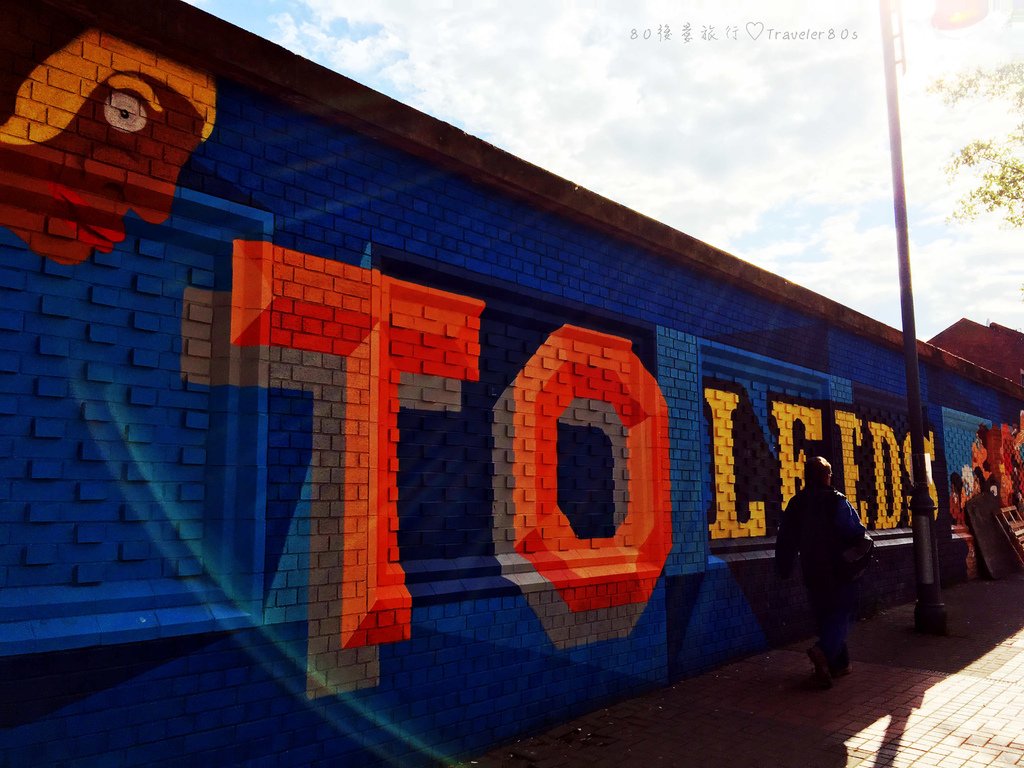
(833, 610)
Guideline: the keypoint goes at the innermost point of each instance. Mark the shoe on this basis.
(821, 674)
(842, 671)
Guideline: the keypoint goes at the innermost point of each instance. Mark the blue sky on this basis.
(763, 134)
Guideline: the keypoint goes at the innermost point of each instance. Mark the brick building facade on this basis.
(335, 436)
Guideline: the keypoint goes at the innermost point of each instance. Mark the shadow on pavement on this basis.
(910, 695)
(981, 615)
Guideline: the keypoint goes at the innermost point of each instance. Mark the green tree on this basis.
(998, 164)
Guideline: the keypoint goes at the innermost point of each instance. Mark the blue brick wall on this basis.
(155, 557)
(678, 365)
(854, 358)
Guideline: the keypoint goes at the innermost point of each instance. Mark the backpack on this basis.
(856, 558)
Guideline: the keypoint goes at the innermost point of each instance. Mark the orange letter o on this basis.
(603, 572)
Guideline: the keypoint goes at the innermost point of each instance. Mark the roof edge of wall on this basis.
(205, 41)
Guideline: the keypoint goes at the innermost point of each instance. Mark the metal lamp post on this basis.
(930, 612)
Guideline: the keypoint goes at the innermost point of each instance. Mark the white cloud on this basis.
(775, 150)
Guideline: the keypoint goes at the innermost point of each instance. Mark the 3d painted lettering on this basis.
(850, 437)
(889, 460)
(576, 365)
(792, 462)
(382, 331)
(727, 524)
(382, 328)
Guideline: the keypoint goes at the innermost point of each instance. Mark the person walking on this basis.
(822, 527)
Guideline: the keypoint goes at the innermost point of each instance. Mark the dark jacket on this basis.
(818, 524)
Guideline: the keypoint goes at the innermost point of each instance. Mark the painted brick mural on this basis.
(321, 446)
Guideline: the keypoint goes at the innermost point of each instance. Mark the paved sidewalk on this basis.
(912, 700)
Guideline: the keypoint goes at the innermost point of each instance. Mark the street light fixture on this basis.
(956, 14)
(929, 612)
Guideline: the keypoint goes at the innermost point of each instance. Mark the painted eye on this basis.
(125, 112)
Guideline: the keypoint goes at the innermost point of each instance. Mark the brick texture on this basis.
(321, 446)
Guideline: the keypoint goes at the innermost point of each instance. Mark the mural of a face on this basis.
(100, 127)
